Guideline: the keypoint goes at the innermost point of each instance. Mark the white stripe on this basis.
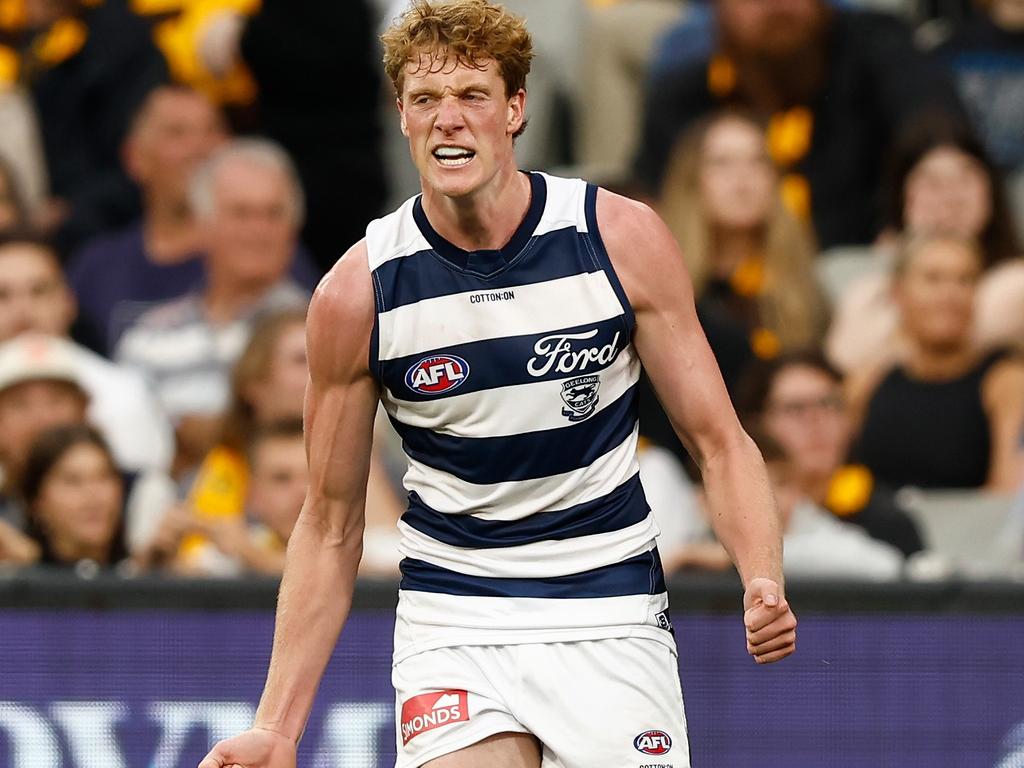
(512, 410)
(426, 620)
(517, 499)
(539, 560)
(564, 207)
(394, 236)
(538, 307)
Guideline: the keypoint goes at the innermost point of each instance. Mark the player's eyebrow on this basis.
(460, 91)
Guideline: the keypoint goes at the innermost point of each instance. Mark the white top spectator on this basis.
(188, 358)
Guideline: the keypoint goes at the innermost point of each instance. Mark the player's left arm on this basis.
(682, 368)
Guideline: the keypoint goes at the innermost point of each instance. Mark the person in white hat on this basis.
(39, 389)
(34, 297)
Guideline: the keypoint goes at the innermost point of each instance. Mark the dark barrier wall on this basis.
(96, 675)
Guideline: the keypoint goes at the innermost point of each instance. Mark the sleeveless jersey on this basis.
(511, 377)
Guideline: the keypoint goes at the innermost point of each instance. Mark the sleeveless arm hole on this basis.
(597, 246)
(373, 361)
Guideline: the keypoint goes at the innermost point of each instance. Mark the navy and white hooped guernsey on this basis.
(511, 377)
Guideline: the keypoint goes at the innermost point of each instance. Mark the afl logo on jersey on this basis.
(653, 743)
(437, 374)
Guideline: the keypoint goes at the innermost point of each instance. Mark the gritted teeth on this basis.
(452, 153)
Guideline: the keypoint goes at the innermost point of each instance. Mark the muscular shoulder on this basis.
(643, 251)
(341, 315)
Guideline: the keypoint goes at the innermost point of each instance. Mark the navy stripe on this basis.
(623, 507)
(503, 362)
(484, 263)
(486, 460)
(374, 354)
(640, 575)
(590, 211)
(425, 275)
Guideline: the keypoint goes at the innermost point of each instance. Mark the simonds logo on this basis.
(436, 374)
(653, 742)
(432, 710)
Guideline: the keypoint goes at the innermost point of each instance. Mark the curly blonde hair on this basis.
(470, 31)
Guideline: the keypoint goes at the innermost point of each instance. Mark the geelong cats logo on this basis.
(580, 394)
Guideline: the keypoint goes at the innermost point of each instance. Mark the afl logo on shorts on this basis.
(437, 374)
(653, 743)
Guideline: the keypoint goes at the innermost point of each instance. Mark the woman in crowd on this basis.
(796, 401)
(75, 497)
(942, 182)
(945, 414)
(751, 260)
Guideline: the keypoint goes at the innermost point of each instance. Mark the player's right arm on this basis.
(326, 544)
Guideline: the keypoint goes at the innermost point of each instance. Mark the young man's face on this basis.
(460, 123)
(278, 482)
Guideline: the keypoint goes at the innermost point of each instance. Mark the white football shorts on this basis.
(612, 703)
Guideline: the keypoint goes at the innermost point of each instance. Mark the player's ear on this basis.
(516, 111)
(401, 117)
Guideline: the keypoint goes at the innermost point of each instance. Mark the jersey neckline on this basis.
(486, 262)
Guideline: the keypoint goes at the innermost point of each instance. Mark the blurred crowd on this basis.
(845, 179)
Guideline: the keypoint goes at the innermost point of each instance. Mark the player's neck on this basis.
(485, 220)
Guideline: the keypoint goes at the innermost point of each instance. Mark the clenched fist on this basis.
(770, 623)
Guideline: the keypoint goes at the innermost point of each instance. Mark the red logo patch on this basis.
(432, 710)
(437, 374)
(653, 742)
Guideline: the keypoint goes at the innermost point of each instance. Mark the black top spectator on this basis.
(946, 415)
(315, 65)
(825, 79)
(91, 66)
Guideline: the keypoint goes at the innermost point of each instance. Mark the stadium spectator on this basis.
(197, 38)
(685, 541)
(749, 258)
(945, 415)
(249, 206)
(21, 141)
(617, 46)
(75, 496)
(816, 544)
(89, 66)
(15, 547)
(823, 77)
(39, 389)
(118, 275)
(34, 298)
(941, 182)
(797, 401)
(267, 391)
(267, 386)
(986, 55)
(256, 540)
(300, 52)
